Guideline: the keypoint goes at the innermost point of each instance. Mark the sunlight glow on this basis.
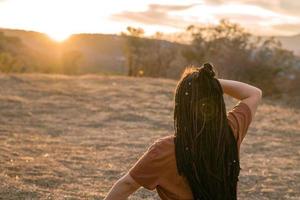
(59, 36)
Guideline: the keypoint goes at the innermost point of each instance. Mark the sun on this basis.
(59, 36)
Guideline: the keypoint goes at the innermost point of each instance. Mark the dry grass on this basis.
(64, 137)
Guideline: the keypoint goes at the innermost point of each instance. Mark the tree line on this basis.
(235, 53)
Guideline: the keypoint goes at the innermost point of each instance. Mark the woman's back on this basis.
(156, 169)
(201, 159)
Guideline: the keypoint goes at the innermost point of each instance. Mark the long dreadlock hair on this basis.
(205, 147)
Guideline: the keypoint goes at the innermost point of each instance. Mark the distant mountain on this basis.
(291, 43)
(99, 53)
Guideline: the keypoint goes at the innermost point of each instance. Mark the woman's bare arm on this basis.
(244, 92)
(123, 188)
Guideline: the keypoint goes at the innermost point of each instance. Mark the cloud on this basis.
(157, 14)
(256, 19)
(241, 18)
(168, 8)
(290, 7)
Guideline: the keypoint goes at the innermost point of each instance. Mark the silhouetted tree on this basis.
(147, 57)
(133, 46)
(12, 54)
(226, 45)
(239, 55)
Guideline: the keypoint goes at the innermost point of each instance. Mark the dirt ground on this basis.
(67, 137)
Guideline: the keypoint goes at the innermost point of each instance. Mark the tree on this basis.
(226, 44)
(239, 55)
(147, 57)
(132, 48)
(12, 54)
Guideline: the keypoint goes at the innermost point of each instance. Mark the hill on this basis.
(93, 53)
(291, 43)
(99, 53)
(72, 137)
(96, 53)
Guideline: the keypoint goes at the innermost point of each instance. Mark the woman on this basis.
(201, 160)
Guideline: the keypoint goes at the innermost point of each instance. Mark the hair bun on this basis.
(209, 69)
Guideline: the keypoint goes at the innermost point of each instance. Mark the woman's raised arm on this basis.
(244, 92)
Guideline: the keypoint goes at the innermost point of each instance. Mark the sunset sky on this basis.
(60, 18)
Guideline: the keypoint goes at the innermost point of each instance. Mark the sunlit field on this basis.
(87, 86)
(72, 137)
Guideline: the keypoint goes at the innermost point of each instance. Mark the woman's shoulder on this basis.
(163, 145)
(165, 140)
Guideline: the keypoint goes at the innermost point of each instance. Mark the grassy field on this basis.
(67, 137)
